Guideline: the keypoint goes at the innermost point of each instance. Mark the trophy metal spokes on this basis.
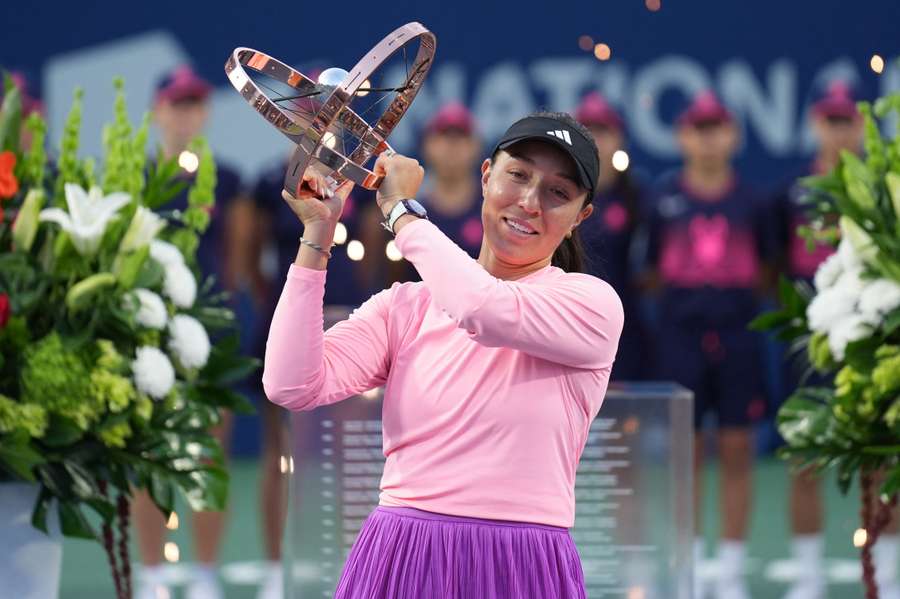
(342, 119)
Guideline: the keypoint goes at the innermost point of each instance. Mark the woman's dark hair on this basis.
(569, 255)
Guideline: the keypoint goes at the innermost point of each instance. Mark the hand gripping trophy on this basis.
(329, 118)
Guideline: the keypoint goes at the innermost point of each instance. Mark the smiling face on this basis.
(532, 200)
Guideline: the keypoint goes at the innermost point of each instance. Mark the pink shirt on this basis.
(490, 385)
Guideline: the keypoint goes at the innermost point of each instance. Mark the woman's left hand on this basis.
(402, 179)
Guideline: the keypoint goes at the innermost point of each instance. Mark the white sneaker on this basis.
(806, 589)
(152, 590)
(205, 587)
(272, 586)
(732, 588)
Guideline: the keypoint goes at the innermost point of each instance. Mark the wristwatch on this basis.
(404, 207)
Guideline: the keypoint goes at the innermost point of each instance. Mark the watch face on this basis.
(415, 207)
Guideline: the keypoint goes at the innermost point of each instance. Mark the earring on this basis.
(569, 235)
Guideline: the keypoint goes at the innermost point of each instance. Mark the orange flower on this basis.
(9, 186)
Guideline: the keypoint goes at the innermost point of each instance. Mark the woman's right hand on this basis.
(318, 205)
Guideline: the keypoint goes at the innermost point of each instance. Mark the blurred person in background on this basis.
(270, 252)
(450, 150)
(609, 233)
(838, 126)
(180, 110)
(707, 246)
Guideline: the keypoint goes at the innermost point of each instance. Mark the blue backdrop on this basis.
(503, 58)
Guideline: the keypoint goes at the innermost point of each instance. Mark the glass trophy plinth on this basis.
(634, 514)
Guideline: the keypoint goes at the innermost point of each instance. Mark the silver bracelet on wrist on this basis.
(316, 247)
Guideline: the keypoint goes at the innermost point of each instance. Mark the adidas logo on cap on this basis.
(563, 135)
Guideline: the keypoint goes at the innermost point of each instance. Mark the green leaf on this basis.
(770, 320)
(225, 366)
(892, 323)
(214, 319)
(130, 267)
(83, 484)
(162, 491)
(205, 489)
(41, 509)
(847, 467)
(19, 458)
(55, 479)
(61, 431)
(801, 421)
(150, 275)
(73, 522)
(891, 483)
(861, 354)
(788, 296)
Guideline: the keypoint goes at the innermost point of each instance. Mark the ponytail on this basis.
(569, 255)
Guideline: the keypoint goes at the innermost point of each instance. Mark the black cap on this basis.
(570, 140)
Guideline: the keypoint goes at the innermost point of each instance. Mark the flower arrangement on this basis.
(108, 380)
(847, 326)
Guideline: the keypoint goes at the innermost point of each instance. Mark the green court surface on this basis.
(86, 574)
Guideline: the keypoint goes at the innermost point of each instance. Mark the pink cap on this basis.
(836, 101)
(595, 110)
(182, 83)
(453, 115)
(706, 108)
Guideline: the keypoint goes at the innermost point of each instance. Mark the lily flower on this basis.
(88, 215)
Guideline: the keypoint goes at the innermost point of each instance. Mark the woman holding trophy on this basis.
(493, 371)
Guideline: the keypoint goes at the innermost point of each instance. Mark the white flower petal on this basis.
(88, 215)
(153, 372)
(143, 228)
(828, 272)
(850, 260)
(165, 253)
(77, 201)
(188, 341)
(179, 285)
(151, 310)
(829, 306)
(846, 330)
(878, 299)
(58, 216)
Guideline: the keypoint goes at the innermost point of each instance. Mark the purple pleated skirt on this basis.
(404, 553)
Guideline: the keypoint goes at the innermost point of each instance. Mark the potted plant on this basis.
(847, 326)
(108, 380)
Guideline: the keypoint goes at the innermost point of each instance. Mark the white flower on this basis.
(829, 306)
(165, 253)
(851, 282)
(88, 215)
(143, 228)
(151, 311)
(153, 372)
(845, 330)
(862, 244)
(188, 341)
(179, 284)
(828, 272)
(850, 260)
(879, 298)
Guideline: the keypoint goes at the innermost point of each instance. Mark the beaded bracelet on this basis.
(316, 247)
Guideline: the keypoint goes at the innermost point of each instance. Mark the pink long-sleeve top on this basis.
(490, 385)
